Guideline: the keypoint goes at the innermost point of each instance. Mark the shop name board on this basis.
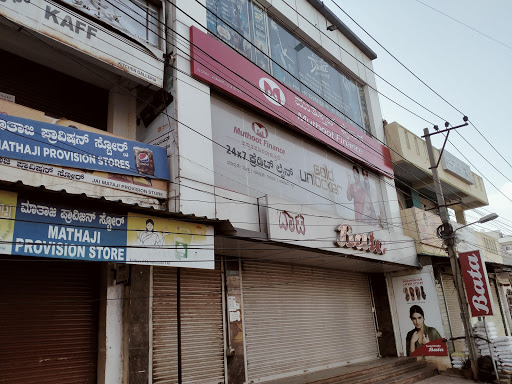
(476, 282)
(31, 140)
(220, 66)
(74, 30)
(359, 241)
(45, 229)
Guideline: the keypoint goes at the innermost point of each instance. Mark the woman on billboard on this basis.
(421, 334)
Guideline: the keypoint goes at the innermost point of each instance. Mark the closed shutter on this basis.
(202, 340)
(165, 325)
(452, 302)
(497, 317)
(201, 326)
(298, 318)
(443, 307)
(49, 321)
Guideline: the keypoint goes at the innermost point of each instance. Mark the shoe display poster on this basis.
(419, 316)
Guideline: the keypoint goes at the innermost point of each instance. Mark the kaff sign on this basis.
(476, 282)
(220, 66)
(79, 32)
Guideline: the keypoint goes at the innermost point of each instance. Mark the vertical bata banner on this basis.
(476, 282)
(419, 317)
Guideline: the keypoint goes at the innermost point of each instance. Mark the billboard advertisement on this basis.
(257, 158)
(39, 142)
(218, 65)
(419, 316)
(476, 283)
(30, 227)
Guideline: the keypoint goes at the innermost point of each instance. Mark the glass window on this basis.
(260, 37)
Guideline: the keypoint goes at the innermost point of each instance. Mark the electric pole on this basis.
(447, 234)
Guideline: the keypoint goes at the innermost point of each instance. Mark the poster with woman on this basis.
(419, 317)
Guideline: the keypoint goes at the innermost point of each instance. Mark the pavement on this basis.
(447, 379)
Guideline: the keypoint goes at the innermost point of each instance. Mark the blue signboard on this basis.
(40, 142)
(52, 230)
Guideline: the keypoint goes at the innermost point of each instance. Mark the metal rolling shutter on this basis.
(452, 302)
(299, 318)
(202, 340)
(497, 317)
(443, 307)
(201, 326)
(49, 321)
(165, 325)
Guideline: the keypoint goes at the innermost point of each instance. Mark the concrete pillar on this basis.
(460, 216)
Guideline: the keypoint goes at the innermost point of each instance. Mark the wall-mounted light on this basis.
(299, 47)
(332, 27)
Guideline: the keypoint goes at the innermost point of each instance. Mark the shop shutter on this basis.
(202, 340)
(497, 317)
(452, 302)
(165, 325)
(299, 318)
(49, 321)
(201, 326)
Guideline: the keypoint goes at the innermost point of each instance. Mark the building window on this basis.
(241, 22)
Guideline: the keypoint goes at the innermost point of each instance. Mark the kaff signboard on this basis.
(40, 142)
(419, 315)
(217, 64)
(476, 282)
(79, 32)
(38, 228)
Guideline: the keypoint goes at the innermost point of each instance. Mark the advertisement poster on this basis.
(256, 158)
(36, 141)
(37, 228)
(161, 241)
(419, 317)
(476, 283)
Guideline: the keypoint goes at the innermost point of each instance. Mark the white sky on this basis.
(471, 71)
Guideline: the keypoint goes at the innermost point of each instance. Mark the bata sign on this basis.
(476, 283)
(360, 241)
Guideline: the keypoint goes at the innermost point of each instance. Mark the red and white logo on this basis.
(143, 157)
(272, 92)
(476, 282)
(260, 130)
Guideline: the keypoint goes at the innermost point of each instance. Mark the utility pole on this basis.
(447, 234)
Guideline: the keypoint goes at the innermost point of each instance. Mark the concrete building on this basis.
(463, 190)
(193, 192)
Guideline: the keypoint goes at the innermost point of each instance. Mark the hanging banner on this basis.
(418, 308)
(39, 228)
(30, 140)
(476, 282)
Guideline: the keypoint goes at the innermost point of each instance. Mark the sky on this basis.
(471, 71)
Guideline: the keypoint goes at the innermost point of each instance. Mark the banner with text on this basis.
(476, 282)
(417, 306)
(37, 228)
(40, 142)
(217, 64)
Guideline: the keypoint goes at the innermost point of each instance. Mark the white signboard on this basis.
(457, 167)
(419, 316)
(76, 31)
(303, 225)
(256, 158)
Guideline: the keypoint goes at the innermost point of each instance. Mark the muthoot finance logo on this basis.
(260, 130)
(272, 92)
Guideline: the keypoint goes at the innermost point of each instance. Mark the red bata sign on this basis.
(476, 283)
(220, 66)
(360, 241)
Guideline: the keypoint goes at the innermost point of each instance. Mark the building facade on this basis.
(463, 191)
(192, 192)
